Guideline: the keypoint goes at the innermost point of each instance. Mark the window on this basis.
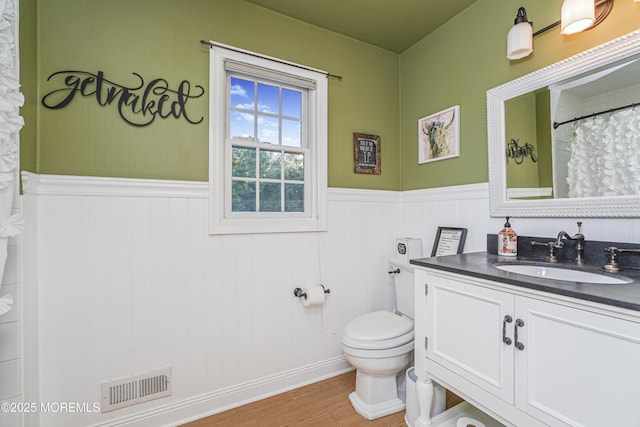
(268, 149)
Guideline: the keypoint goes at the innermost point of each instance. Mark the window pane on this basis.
(270, 164)
(294, 167)
(291, 133)
(242, 93)
(291, 103)
(243, 196)
(243, 162)
(241, 125)
(268, 99)
(294, 197)
(270, 197)
(268, 130)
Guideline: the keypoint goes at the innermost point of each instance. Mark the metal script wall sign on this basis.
(138, 105)
(519, 152)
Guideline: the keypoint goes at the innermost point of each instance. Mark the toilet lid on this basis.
(379, 329)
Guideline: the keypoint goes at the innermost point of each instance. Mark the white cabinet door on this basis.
(566, 367)
(464, 331)
(577, 367)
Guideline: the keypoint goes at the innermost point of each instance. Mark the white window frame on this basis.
(221, 220)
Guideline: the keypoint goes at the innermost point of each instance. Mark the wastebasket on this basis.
(412, 411)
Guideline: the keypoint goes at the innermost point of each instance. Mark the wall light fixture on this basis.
(520, 36)
(576, 16)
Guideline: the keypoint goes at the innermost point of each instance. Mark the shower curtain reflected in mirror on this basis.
(604, 155)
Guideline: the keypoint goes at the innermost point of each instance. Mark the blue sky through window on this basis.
(268, 130)
(268, 99)
(242, 93)
(282, 108)
(291, 103)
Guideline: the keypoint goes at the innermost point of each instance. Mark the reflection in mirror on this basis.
(528, 130)
(596, 140)
(565, 140)
(593, 147)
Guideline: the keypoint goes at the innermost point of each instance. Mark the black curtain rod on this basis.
(611, 110)
(211, 44)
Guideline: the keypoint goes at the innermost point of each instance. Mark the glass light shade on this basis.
(520, 41)
(577, 15)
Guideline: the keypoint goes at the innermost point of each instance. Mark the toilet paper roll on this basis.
(315, 296)
(468, 422)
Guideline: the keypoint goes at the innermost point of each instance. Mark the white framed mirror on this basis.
(564, 141)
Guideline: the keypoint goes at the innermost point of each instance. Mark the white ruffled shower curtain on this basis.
(10, 124)
(605, 155)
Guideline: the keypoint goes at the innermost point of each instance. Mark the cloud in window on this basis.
(239, 91)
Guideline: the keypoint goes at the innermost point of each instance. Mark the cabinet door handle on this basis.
(505, 338)
(519, 324)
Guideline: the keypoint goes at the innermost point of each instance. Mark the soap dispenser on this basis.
(507, 241)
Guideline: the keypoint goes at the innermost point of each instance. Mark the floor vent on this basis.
(135, 389)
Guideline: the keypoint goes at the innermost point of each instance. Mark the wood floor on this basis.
(323, 404)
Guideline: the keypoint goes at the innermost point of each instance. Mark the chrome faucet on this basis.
(579, 239)
(612, 262)
(552, 246)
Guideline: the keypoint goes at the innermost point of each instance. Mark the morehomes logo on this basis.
(138, 105)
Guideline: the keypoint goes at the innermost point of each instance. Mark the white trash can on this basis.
(412, 411)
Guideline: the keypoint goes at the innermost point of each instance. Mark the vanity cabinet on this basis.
(527, 357)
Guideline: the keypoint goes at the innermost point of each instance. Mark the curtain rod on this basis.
(211, 44)
(611, 110)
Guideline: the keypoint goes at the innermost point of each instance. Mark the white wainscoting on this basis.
(126, 279)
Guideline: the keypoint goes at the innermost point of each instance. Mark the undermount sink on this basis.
(565, 274)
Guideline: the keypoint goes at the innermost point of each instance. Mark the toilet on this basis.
(380, 346)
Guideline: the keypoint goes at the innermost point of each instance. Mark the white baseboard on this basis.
(197, 407)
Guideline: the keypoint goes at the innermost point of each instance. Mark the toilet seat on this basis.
(378, 330)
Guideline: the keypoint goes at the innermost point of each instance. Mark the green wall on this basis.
(161, 39)
(382, 93)
(528, 121)
(28, 80)
(520, 125)
(543, 136)
(461, 60)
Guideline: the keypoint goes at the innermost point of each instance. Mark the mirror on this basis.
(564, 141)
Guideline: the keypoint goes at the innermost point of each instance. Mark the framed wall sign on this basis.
(366, 153)
(439, 135)
(449, 241)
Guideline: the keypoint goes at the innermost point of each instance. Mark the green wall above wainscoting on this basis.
(382, 93)
(461, 60)
(161, 39)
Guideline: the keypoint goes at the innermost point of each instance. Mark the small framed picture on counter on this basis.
(449, 241)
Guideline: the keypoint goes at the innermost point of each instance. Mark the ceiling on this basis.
(393, 25)
(613, 78)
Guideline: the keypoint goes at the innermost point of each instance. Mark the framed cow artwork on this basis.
(439, 135)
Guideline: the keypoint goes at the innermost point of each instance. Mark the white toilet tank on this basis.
(404, 286)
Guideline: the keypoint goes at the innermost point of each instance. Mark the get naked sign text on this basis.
(138, 104)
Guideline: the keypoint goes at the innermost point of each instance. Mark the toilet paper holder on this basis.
(302, 294)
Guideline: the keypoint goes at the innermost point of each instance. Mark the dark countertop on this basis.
(480, 265)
